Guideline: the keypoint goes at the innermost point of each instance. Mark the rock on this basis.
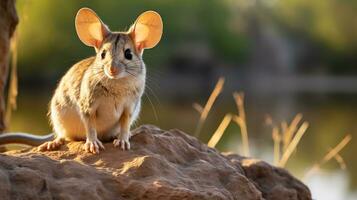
(274, 183)
(160, 165)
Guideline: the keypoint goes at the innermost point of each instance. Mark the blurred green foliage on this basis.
(332, 22)
(48, 43)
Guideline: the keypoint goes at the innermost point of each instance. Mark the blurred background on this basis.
(287, 56)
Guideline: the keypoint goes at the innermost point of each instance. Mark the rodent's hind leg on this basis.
(51, 145)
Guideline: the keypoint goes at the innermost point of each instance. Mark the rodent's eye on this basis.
(103, 54)
(127, 54)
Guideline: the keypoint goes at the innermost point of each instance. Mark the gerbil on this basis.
(99, 97)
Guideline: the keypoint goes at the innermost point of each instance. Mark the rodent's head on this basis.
(119, 54)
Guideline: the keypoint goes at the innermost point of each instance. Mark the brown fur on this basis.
(86, 92)
(99, 97)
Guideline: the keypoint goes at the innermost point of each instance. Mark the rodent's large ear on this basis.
(90, 29)
(147, 30)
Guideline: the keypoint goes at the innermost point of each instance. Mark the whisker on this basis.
(153, 94)
(152, 81)
(133, 70)
(130, 73)
(153, 107)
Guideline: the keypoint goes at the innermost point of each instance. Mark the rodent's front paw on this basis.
(93, 146)
(122, 141)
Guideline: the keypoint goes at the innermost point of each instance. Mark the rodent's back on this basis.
(70, 84)
(63, 105)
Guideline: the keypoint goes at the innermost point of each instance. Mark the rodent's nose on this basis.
(113, 70)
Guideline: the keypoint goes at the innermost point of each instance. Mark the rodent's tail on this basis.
(25, 138)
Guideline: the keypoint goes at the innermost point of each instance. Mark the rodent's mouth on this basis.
(114, 75)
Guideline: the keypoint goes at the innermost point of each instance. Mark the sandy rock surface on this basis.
(160, 165)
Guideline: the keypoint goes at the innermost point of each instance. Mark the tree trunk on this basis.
(8, 22)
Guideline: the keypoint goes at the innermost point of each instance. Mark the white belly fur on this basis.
(108, 115)
(68, 124)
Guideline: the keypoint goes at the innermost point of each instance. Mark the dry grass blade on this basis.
(340, 161)
(13, 88)
(241, 121)
(268, 120)
(239, 99)
(220, 130)
(284, 127)
(293, 144)
(217, 90)
(333, 153)
(243, 128)
(197, 107)
(289, 133)
(314, 169)
(277, 140)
